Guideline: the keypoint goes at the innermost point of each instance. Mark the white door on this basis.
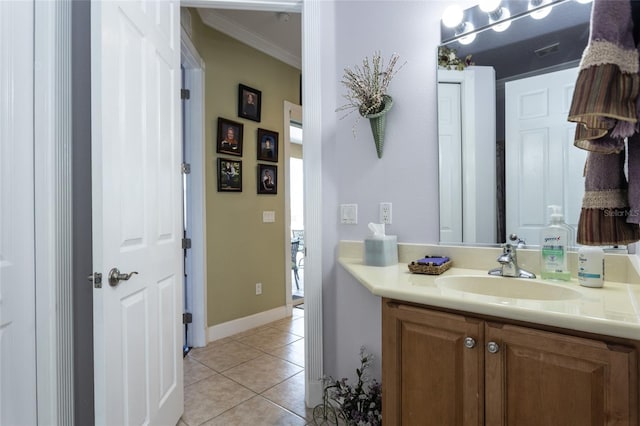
(137, 215)
(17, 249)
(542, 166)
(450, 162)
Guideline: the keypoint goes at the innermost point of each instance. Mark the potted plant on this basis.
(448, 59)
(367, 93)
(359, 405)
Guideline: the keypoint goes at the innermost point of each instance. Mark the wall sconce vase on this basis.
(378, 123)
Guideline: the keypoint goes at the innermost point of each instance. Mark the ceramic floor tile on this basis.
(224, 356)
(256, 411)
(250, 332)
(290, 395)
(262, 373)
(284, 322)
(293, 326)
(227, 399)
(222, 341)
(293, 352)
(195, 371)
(269, 339)
(211, 397)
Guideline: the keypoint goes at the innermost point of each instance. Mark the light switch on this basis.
(268, 216)
(349, 214)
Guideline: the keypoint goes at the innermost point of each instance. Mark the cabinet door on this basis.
(540, 378)
(429, 376)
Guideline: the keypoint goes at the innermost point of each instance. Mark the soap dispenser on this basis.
(554, 244)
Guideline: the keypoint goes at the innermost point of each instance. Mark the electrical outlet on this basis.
(258, 288)
(385, 213)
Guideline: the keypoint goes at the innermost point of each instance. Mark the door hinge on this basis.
(185, 93)
(186, 243)
(187, 318)
(96, 279)
(186, 168)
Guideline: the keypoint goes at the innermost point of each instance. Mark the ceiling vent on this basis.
(547, 50)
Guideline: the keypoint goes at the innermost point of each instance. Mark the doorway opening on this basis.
(296, 205)
(194, 209)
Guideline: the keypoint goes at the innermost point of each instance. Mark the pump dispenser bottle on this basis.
(554, 242)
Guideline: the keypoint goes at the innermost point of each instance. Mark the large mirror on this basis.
(506, 147)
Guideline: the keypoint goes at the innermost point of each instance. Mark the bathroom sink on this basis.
(514, 288)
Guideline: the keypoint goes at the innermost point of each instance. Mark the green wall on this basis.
(241, 249)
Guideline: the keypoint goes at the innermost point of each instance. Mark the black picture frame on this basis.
(267, 179)
(229, 175)
(249, 103)
(223, 143)
(267, 145)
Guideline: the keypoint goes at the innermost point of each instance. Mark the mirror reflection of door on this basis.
(542, 166)
(467, 155)
(450, 162)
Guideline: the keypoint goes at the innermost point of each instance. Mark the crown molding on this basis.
(261, 5)
(233, 29)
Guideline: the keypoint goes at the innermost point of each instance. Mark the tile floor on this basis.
(297, 293)
(252, 378)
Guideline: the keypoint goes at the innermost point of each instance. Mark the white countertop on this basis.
(613, 310)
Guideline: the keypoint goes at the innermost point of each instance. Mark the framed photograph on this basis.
(229, 175)
(267, 145)
(249, 102)
(267, 179)
(229, 137)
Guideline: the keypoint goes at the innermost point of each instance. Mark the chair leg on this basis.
(295, 275)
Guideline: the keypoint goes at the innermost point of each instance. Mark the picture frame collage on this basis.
(229, 144)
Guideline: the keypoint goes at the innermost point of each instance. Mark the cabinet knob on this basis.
(493, 347)
(469, 342)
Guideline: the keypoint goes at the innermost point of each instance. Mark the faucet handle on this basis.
(520, 243)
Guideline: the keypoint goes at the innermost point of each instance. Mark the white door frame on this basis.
(311, 66)
(18, 343)
(196, 269)
(53, 178)
(290, 110)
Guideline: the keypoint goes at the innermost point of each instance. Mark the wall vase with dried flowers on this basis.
(378, 122)
(367, 94)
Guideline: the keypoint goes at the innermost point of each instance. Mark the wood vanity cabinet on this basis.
(444, 368)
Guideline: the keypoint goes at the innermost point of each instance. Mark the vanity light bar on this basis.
(480, 20)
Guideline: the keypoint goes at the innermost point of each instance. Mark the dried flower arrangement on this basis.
(367, 85)
(359, 405)
(448, 59)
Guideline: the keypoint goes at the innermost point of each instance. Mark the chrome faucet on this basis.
(508, 261)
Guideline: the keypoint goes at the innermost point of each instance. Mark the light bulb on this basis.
(452, 16)
(489, 5)
(543, 11)
(504, 16)
(468, 39)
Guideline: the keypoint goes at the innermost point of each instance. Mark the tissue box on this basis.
(381, 251)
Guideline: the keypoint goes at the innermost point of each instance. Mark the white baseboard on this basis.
(239, 325)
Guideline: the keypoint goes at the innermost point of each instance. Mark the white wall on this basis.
(407, 174)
